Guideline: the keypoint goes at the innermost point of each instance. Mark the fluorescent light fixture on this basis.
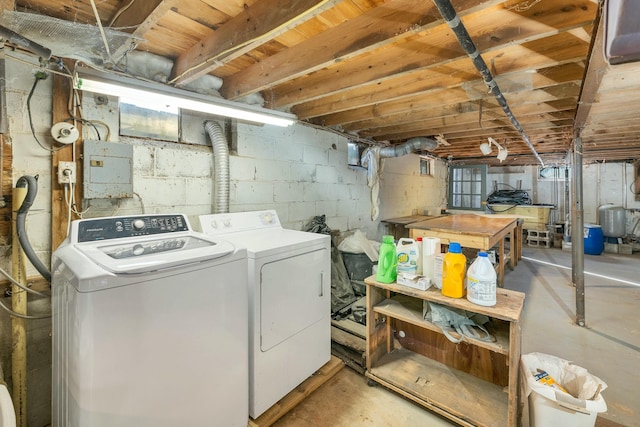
(486, 149)
(156, 96)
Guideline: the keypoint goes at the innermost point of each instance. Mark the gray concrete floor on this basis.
(609, 345)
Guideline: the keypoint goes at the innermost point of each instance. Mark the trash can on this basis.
(573, 401)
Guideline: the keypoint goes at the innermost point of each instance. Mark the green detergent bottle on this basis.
(387, 261)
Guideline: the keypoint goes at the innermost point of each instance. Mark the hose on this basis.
(221, 165)
(32, 189)
(409, 146)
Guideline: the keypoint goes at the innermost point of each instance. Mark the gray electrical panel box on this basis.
(108, 170)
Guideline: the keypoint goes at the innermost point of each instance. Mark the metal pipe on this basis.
(577, 234)
(409, 146)
(221, 166)
(18, 327)
(565, 208)
(451, 18)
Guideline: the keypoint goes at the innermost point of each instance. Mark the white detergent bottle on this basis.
(407, 252)
(481, 281)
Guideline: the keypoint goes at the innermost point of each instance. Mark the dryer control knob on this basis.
(138, 224)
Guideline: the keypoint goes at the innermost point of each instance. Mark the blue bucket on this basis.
(593, 239)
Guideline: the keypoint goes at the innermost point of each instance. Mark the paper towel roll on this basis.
(430, 248)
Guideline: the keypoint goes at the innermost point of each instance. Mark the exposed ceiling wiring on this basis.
(102, 33)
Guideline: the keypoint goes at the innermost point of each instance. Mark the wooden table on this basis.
(397, 227)
(473, 231)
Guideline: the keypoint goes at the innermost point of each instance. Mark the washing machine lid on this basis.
(140, 255)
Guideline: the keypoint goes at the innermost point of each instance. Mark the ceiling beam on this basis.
(490, 28)
(382, 25)
(560, 48)
(595, 71)
(142, 16)
(254, 26)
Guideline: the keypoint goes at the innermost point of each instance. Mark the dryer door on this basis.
(295, 293)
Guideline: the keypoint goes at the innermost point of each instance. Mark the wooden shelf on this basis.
(456, 395)
(508, 306)
(474, 383)
(410, 310)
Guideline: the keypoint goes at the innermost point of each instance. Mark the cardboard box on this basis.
(414, 281)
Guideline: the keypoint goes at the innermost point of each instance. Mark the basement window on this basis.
(149, 121)
(467, 187)
(354, 153)
(427, 166)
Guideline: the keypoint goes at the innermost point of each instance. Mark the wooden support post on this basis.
(61, 93)
(18, 327)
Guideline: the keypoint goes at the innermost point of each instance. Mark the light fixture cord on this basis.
(102, 33)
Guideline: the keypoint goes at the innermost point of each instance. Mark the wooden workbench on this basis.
(473, 231)
(397, 227)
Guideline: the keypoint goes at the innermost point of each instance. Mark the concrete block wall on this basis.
(299, 171)
(30, 159)
(403, 191)
(603, 183)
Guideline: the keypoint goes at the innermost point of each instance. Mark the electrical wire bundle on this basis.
(507, 197)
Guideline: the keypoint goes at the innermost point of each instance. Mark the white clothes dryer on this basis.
(149, 326)
(289, 301)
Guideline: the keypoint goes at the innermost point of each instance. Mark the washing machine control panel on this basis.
(90, 230)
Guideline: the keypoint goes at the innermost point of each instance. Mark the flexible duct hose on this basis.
(221, 166)
(408, 147)
(32, 189)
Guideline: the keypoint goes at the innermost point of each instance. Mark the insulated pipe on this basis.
(23, 42)
(221, 166)
(18, 327)
(451, 17)
(408, 147)
(32, 189)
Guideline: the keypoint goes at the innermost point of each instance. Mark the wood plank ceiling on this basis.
(388, 70)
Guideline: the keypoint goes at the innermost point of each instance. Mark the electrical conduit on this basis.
(451, 18)
(221, 166)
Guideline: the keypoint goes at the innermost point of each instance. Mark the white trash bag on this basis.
(356, 242)
(577, 397)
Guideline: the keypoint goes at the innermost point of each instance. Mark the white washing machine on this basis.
(149, 326)
(289, 301)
